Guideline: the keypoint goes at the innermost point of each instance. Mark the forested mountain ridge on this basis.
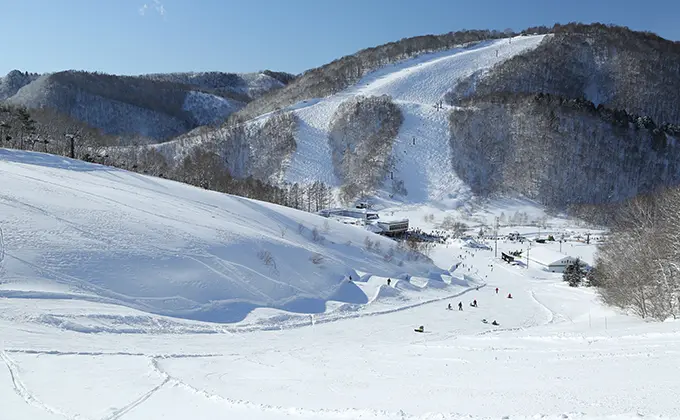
(574, 114)
(560, 151)
(596, 81)
(610, 65)
(156, 107)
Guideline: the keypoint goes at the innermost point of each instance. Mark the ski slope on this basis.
(415, 85)
(74, 230)
(557, 354)
(108, 279)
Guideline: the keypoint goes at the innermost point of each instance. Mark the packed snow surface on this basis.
(93, 259)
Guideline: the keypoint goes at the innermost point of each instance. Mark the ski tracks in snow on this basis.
(23, 392)
(21, 389)
(132, 405)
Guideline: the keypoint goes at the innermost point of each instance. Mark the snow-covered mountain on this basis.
(158, 106)
(421, 158)
(13, 81)
(488, 117)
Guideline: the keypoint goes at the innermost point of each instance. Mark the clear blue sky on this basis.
(126, 37)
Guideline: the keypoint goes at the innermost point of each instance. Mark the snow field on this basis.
(557, 352)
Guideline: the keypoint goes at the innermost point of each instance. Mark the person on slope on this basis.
(389, 281)
(496, 290)
(460, 306)
(449, 307)
(494, 322)
(474, 303)
(509, 295)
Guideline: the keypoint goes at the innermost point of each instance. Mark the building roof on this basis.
(546, 256)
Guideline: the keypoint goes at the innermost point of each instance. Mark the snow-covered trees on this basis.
(362, 132)
(608, 65)
(45, 130)
(574, 274)
(639, 267)
(560, 151)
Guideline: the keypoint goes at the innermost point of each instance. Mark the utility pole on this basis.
(495, 236)
(72, 138)
(528, 248)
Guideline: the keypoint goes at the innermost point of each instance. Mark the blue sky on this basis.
(145, 36)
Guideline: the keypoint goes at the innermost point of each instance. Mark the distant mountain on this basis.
(242, 87)
(15, 80)
(158, 106)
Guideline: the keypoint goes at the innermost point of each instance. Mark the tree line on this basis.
(47, 131)
(560, 151)
(607, 64)
(638, 268)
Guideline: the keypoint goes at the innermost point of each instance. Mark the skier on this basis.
(474, 303)
(496, 290)
(509, 295)
(420, 329)
(460, 306)
(449, 307)
(494, 322)
(389, 281)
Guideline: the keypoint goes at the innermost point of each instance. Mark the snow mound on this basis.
(74, 230)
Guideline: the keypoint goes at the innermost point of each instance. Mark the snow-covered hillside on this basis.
(422, 148)
(557, 352)
(74, 230)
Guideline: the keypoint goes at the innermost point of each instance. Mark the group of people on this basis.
(472, 304)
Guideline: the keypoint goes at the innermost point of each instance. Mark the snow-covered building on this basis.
(393, 227)
(370, 219)
(549, 259)
(361, 214)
